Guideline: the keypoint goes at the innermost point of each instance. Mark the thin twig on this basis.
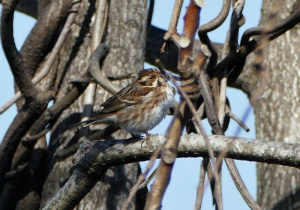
(150, 14)
(212, 117)
(95, 70)
(230, 46)
(171, 33)
(236, 119)
(200, 188)
(232, 42)
(89, 94)
(141, 178)
(148, 180)
(200, 129)
(198, 123)
(211, 112)
(101, 79)
(241, 186)
(179, 121)
(168, 156)
(275, 31)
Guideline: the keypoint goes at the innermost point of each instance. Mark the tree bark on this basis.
(277, 111)
(125, 34)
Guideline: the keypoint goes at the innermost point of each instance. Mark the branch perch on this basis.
(104, 154)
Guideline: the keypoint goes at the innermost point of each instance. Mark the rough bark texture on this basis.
(277, 111)
(126, 30)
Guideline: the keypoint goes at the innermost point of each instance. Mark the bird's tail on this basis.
(97, 119)
(81, 124)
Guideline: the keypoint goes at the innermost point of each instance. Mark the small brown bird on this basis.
(138, 107)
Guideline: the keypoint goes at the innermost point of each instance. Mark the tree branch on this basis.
(215, 23)
(128, 151)
(38, 42)
(28, 7)
(50, 60)
(180, 119)
(32, 108)
(13, 56)
(104, 154)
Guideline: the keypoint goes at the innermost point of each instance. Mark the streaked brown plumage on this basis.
(138, 107)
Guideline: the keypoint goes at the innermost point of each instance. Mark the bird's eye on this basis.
(150, 77)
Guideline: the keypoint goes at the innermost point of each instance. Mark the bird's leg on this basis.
(144, 139)
(147, 134)
(136, 136)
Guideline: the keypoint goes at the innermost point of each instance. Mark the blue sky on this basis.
(181, 192)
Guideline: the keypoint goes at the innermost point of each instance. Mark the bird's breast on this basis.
(144, 116)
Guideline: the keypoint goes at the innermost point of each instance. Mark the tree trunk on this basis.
(277, 111)
(125, 34)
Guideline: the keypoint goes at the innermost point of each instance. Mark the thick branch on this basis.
(28, 7)
(38, 42)
(104, 154)
(50, 60)
(128, 151)
(215, 23)
(13, 56)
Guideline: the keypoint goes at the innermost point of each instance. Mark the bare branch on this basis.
(104, 154)
(172, 32)
(200, 129)
(39, 41)
(190, 84)
(214, 121)
(97, 33)
(174, 19)
(236, 119)
(215, 23)
(241, 186)
(50, 115)
(32, 108)
(274, 32)
(28, 7)
(13, 56)
(169, 154)
(118, 152)
(200, 188)
(49, 62)
(141, 178)
(233, 32)
(150, 14)
(230, 46)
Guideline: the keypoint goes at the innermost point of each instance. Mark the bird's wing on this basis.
(128, 96)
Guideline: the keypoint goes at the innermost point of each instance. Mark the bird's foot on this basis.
(148, 134)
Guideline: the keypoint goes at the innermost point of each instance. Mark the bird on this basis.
(138, 107)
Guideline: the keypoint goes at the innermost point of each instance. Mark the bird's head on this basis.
(151, 78)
